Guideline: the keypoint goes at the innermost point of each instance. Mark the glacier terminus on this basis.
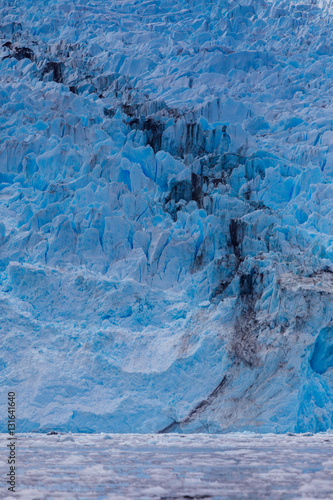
(166, 207)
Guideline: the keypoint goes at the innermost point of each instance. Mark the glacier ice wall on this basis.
(166, 234)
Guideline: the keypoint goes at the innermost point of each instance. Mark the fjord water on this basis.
(173, 466)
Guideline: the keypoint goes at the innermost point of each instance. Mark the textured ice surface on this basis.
(173, 467)
(166, 215)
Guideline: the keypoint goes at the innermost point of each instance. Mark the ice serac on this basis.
(166, 204)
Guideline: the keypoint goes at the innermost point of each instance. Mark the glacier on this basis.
(166, 203)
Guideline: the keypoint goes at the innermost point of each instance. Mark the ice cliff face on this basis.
(166, 213)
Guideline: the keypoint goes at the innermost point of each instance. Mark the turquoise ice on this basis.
(166, 201)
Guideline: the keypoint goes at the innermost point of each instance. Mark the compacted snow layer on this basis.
(166, 201)
(172, 467)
